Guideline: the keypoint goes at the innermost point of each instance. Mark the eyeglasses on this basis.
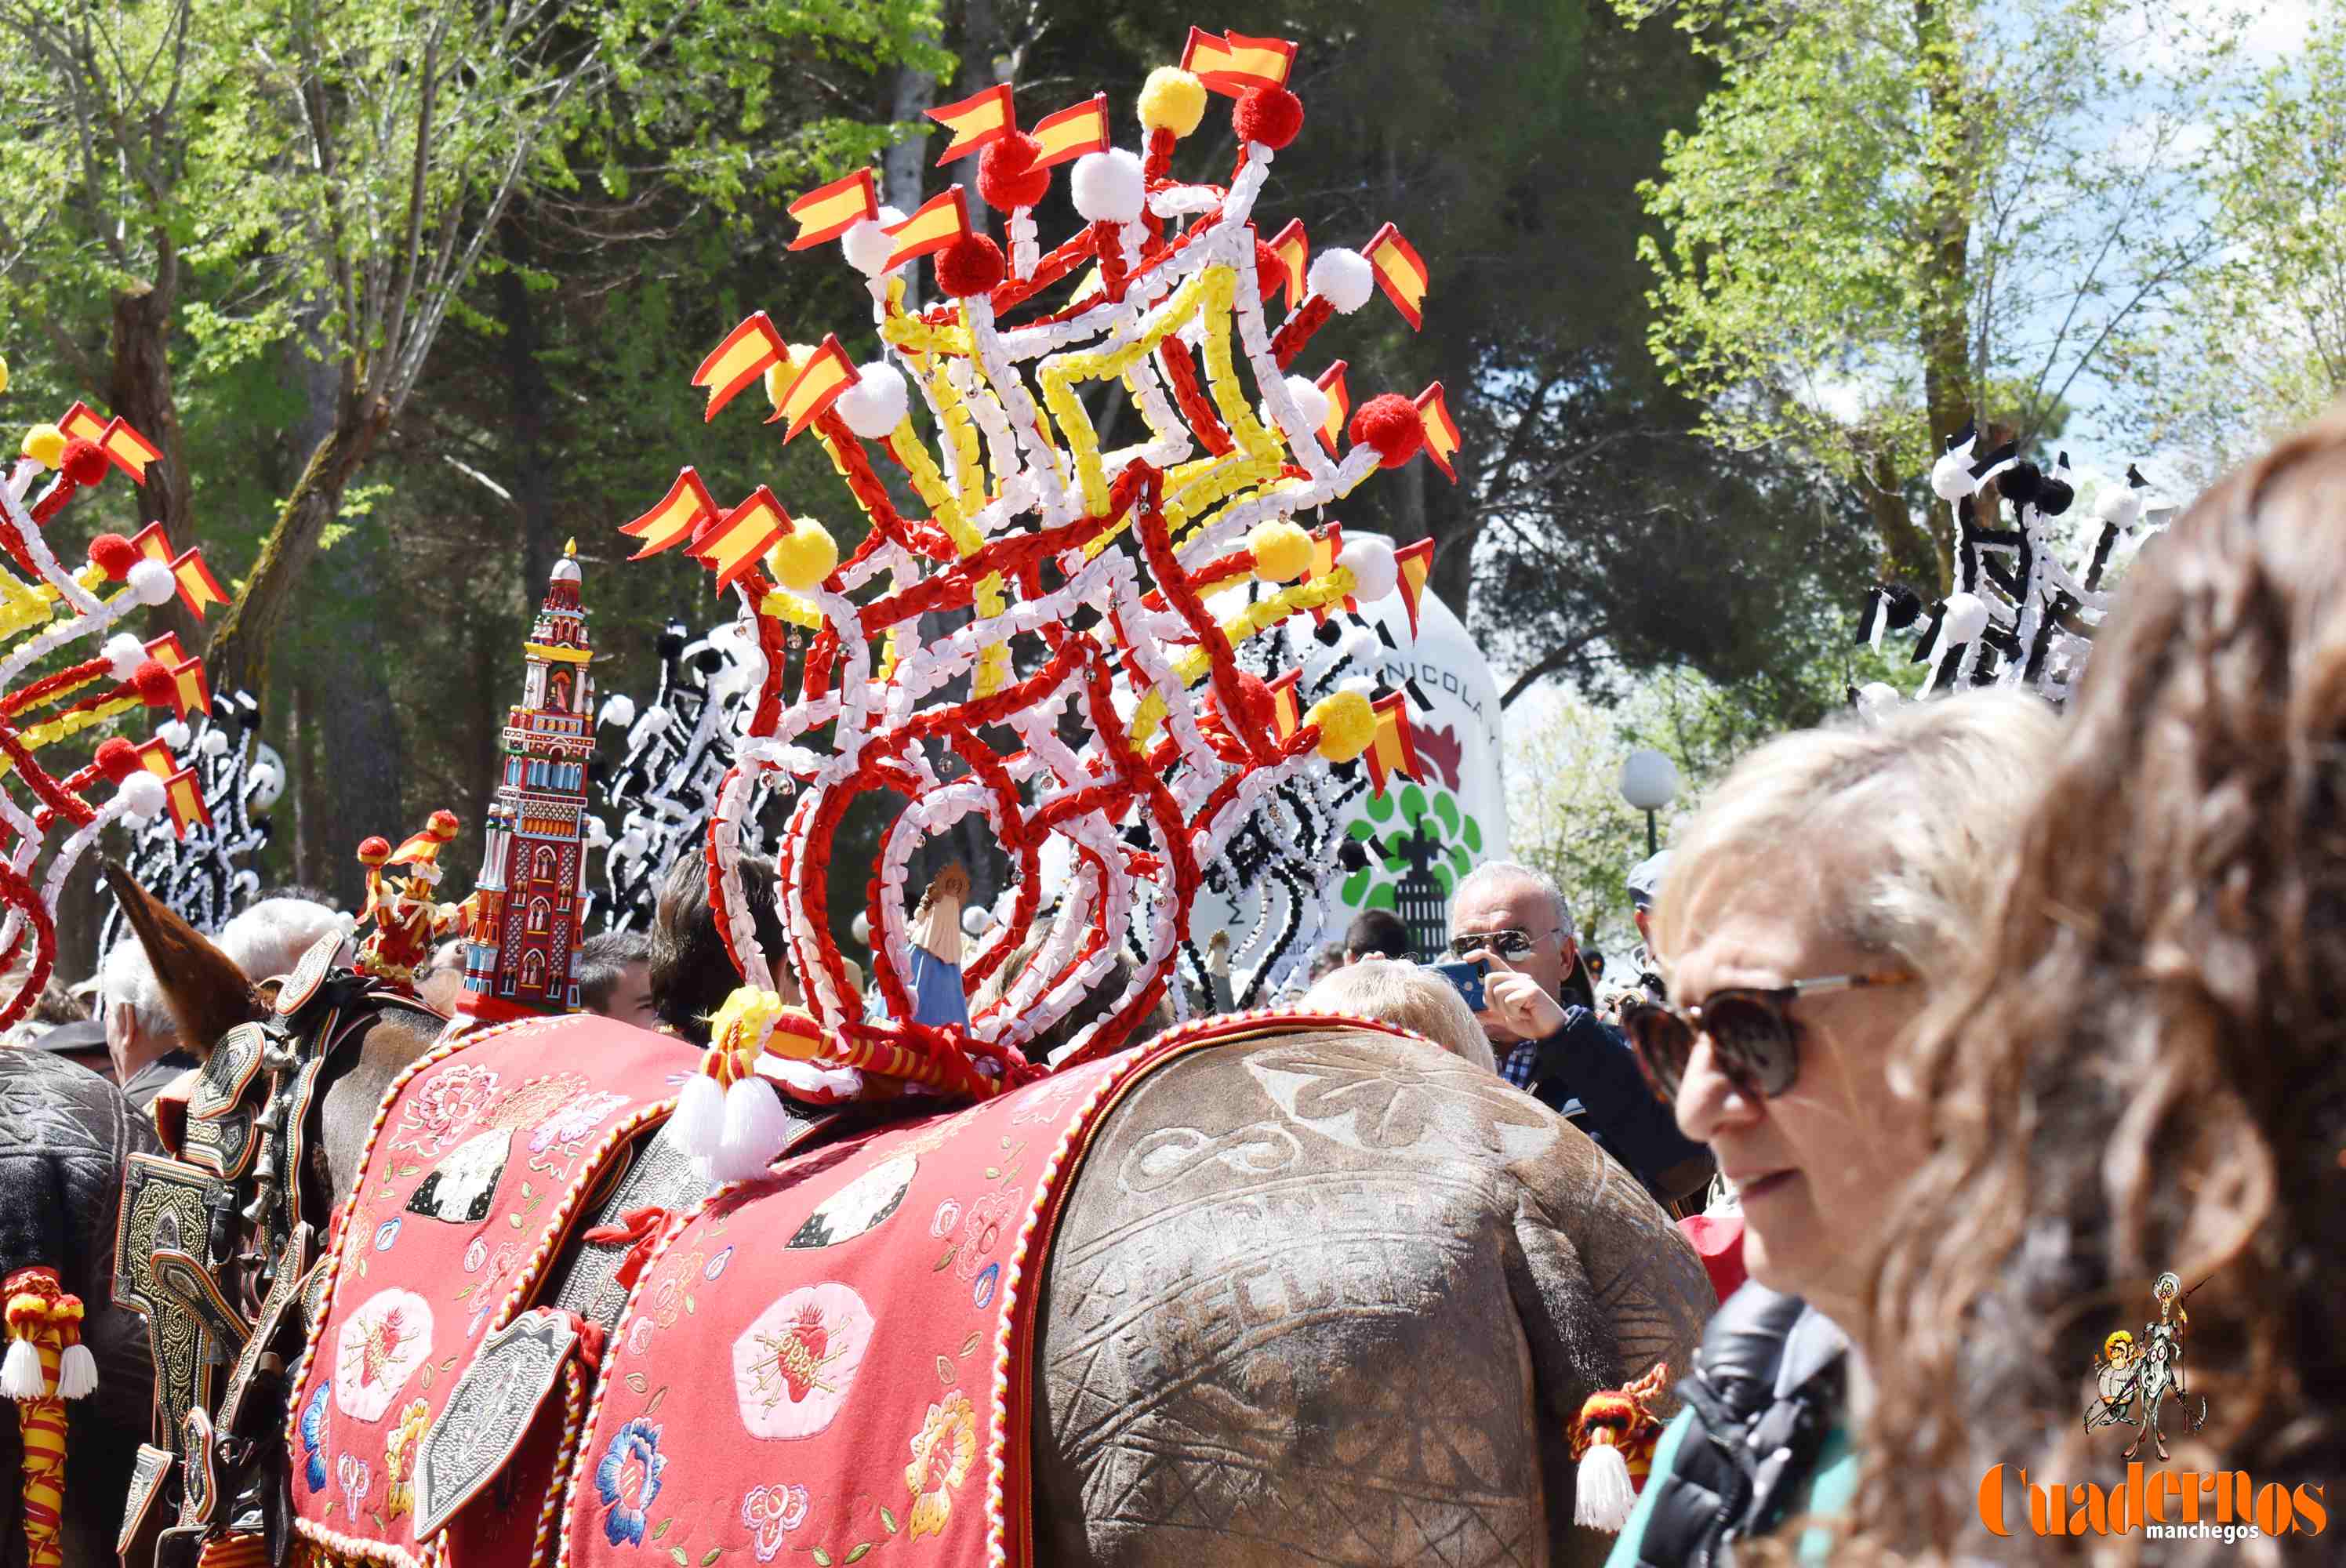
(1752, 1038)
(1508, 943)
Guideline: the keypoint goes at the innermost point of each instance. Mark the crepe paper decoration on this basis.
(1072, 132)
(1401, 273)
(1236, 63)
(739, 362)
(197, 857)
(934, 225)
(1440, 430)
(977, 122)
(818, 384)
(831, 210)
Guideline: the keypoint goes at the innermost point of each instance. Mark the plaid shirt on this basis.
(1521, 1064)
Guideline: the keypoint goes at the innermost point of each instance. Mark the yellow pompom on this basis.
(1347, 725)
(3, 375)
(740, 1027)
(1283, 551)
(802, 558)
(1173, 100)
(44, 444)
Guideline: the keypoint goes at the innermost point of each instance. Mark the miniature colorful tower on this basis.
(521, 954)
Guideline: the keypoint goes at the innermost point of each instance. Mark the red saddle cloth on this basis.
(479, 1164)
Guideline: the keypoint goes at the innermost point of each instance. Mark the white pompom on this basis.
(20, 1374)
(1358, 644)
(1366, 685)
(1876, 696)
(172, 733)
(262, 777)
(656, 716)
(633, 842)
(124, 655)
(860, 928)
(1603, 1496)
(598, 835)
(76, 1372)
(697, 1122)
(142, 796)
(2118, 504)
(976, 919)
(619, 710)
(1951, 476)
(1309, 400)
(875, 404)
(1109, 186)
(867, 245)
(151, 583)
(213, 744)
(757, 1129)
(1370, 558)
(1342, 278)
(1966, 618)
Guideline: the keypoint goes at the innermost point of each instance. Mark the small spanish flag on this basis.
(940, 220)
(1326, 545)
(80, 424)
(128, 450)
(166, 650)
(157, 759)
(1072, 132)
(830, 210)
(1394, 750)
(1413, 564)
(1293, 249)
(198, 589)
(1440, 430)
(1286, 707)
(185, 795)
(680, 513)
(1340, 405)
(815, 388)
(190, 691)
(1234, 62)
(737, 361)
(1401, 273)
(152, 544)
(741, 537)
(976, 123)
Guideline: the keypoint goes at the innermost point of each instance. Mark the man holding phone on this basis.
(1539, 1013)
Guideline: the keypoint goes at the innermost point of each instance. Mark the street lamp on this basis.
(1650, 781)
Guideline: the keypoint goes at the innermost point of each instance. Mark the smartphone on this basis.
(1464, 978)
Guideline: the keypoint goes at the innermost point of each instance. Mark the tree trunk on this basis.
(1944, 323)
(529, 402)
(358, 726)
(1917, 554)
(139, 388)
(916, 94)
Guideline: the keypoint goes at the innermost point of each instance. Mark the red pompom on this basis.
(1006, 175)
(1271, 116)
(114, 555)
(117, 760)
(156, 686)
(1269, 271)
(84, 464)
(1391, 424)
(373, 850)
(972, 264)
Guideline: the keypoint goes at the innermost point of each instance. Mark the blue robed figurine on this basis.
(935, 982)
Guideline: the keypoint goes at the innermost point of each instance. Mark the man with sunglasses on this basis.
(1539, 1013)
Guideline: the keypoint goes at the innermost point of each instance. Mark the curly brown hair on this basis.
(2144, 1067)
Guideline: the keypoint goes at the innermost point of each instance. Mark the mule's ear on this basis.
(202, 986)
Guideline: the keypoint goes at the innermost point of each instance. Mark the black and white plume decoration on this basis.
(2018, 615)
(680, 747)
(206, 877)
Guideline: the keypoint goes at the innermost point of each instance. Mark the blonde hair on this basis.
(1932, 796)
(1392, 991)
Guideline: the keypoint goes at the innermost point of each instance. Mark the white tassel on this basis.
(76, 1372)
(697, 1122)
(20, 1374)
(756, 1130)
(1603, 1496)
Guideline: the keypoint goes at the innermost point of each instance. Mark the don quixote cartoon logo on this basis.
(2141, 1385)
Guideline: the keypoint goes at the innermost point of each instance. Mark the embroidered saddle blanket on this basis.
(483, 1158)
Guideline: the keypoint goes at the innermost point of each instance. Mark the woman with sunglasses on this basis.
(1832, 881)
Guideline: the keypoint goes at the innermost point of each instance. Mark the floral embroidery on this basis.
(942, 1450)
(446, 1103)
(716, 1265)
(948, 1215)
(981, 1293)
(385, 1234)
(574, 1121)
(491, 1288)
(381, 1344)
(313, 1438)
(530, 1101)
(628, 1480)
(988, 1221)
(355, 1476)
(770, 1512)
(459, 1188)
(794, 1363)
(476, 1255)
(399, 1459)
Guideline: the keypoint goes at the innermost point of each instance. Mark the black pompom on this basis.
(671, 642)
(1903, 605)
(2053, 497)
(709, 661)
(1330, 634)
(2021, 483)
(598, 772)
(1352, 856)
